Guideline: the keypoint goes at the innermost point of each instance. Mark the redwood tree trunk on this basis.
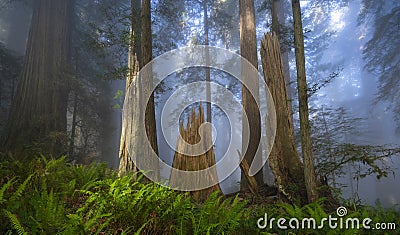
(278, 22)
(248, 49)
(147, 83)
(38, 112)
(275, 20)
(132, 145)
(284, 160)
(306, 147)
(208, 71)
(126, 163)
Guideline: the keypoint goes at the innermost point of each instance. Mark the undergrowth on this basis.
(51, 196)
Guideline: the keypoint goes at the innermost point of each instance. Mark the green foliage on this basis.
(54, 197)
(60, 198)
(330, 129)
(37, 194)
(15, 223)
(217, 216)
(119, 94)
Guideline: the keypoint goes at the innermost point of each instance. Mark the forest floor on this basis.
(52, 196)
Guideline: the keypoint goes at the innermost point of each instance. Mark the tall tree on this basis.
(132, 133)
(284, 160)
(39, 109)
(93, 56)
(278, 26)
(147, 82)
(9, 70)
(208, 72)
(168, 15)
(248, 49)
(126, 160)
(275, 20)
(309, 173)
(381, 50)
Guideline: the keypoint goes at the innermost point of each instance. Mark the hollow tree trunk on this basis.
(189, 138)
(284, 160)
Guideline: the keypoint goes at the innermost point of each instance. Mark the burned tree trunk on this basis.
(284, 159)
(190, 142)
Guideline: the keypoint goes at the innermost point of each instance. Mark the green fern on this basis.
(218, 216)
(16, 224)
(7, 185)
(18, 193)
(59, 198)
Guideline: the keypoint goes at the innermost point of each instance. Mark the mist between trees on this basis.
(335, 82)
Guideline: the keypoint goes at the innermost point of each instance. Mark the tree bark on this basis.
(73, 126)
(208, 72)
(126, 163)
(146, 37)
(132, 144)
(251, 181)
(248, 49)
(147, 84)
(275, 20)
(38, 112)
(284, 160)
(191, 136)
(309, 173)
(278, 22)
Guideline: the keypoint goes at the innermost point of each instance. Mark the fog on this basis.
(355, 89)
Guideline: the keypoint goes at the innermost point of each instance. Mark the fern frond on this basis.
(18, 193)
(16, 224)
(5, 187)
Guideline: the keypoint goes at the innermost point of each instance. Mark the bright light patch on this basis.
(363, 32)
(319, 15)
(304, 3)
(337, 22)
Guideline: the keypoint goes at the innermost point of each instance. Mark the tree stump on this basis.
(284, 160)
(190, 141)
